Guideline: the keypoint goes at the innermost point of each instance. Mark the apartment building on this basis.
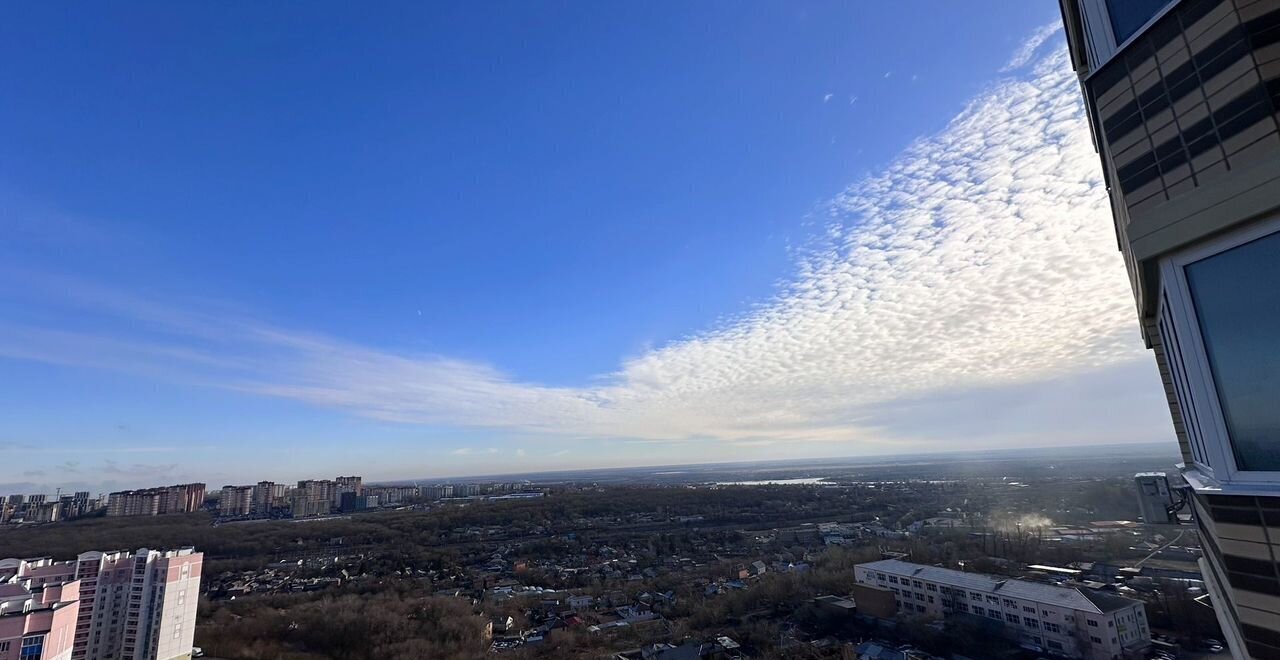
(43, 512)
(318, 489)
(76, 505)
(344, 485)
(1069, 621)
(132, 605)
(180, 498)
(134, 503)
(313, 497)
(438, 491)
(268, 496)
(393, 494)
(235, 501)
(1183, 99)
(37, 622)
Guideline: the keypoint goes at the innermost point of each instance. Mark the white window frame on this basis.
(1203, 389)
(1102, 38)
(1191, 383)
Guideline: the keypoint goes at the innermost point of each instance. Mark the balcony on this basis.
(1190, 102)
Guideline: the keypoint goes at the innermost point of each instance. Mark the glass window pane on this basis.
(1237, 300)
(1129, 15)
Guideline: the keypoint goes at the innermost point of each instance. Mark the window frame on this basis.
(1203, 389)
(1101, 37)
(32, 641)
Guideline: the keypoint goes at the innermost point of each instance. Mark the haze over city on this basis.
(524, 243)
(572, 330)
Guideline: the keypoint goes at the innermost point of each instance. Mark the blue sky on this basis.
(271, 241)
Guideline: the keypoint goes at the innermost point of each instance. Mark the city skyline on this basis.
(948, 282)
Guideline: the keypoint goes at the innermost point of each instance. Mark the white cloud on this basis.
(982, 257)
(827, 97)
(1027, 50)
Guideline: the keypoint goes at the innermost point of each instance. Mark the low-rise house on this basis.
(581, 602)
(502, 625)
(877, 651)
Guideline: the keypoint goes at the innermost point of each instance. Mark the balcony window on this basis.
(1127, 16)
(32, 647)
(1237, 306)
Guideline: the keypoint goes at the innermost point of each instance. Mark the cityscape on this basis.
(265, 499)
(1074, 553)
(546, 286)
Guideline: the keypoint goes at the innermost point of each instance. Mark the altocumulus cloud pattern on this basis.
(982, 257)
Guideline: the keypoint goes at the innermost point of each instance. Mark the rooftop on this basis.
(1075, 598)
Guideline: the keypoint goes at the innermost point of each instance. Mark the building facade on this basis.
(388, 495)
(181, 498)
(1075, 622)
(37, 623)
(131, 605)
(269, 496)
(344, 485)
(134, 503)
(437, 491)
(1155, 500)
(1184, 101)
(235, 501)
(314, 497)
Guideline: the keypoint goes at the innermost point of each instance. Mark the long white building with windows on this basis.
(1065, 621)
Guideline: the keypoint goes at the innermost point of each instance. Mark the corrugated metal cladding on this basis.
(1245, 533)
(1192, 98)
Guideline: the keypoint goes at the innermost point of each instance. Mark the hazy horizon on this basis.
(819, 463)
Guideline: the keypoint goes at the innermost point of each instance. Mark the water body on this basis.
(776, 482)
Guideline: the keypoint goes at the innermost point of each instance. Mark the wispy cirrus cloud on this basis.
(1026, 52)
(981, 257)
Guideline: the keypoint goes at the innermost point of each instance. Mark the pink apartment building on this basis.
(38, 622)
(132, 605)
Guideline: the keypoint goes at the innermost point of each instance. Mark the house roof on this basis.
(12, 590)
(1070, 597)
(1106, 601)
(874, 650)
